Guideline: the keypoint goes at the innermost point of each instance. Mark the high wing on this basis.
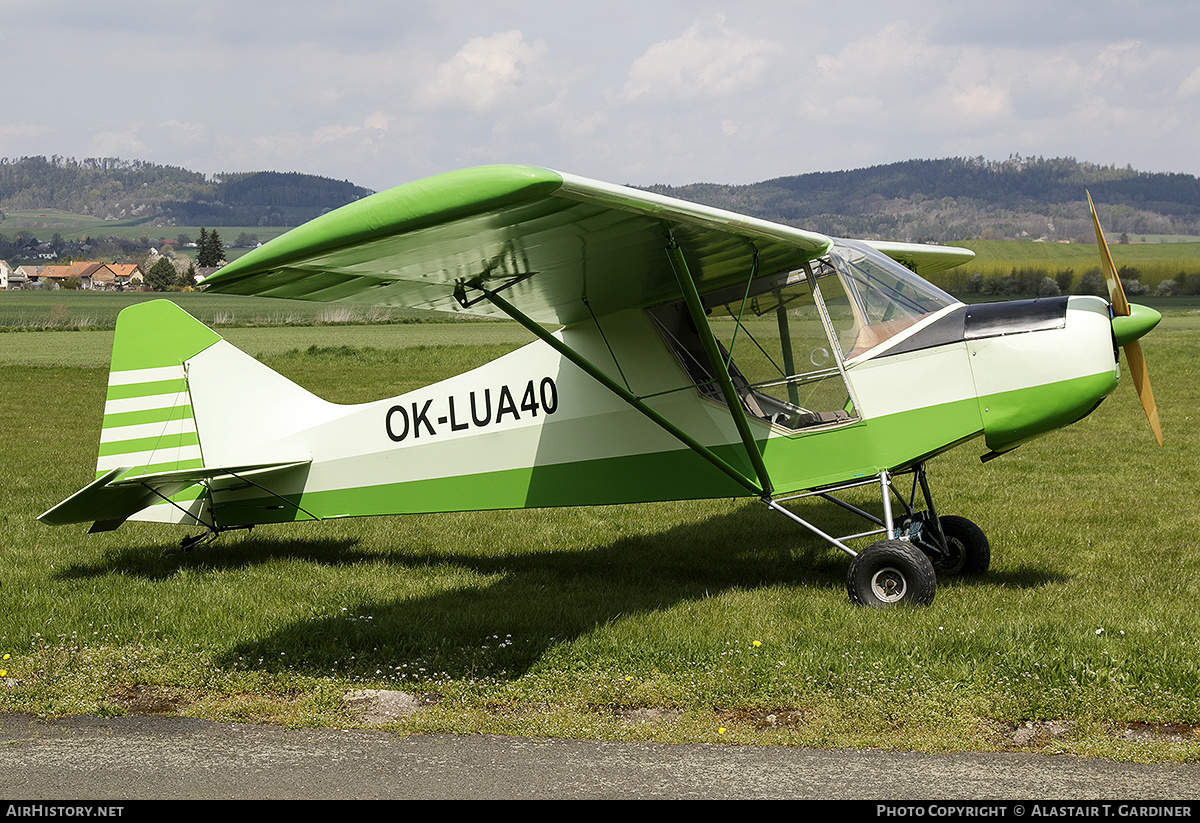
(560, 248)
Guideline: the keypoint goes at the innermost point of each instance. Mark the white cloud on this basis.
(1112, 56)
(381, 91)
(1190, 87)
(484, 72)
(378, 120)
(707, 60)
(187, 133)
(982, 102)
(23, 131)
(894, 55)
(124, 142)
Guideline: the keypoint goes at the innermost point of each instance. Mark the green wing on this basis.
(558, 247)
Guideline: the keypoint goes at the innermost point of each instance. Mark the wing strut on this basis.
(695, 306)
(620, 391)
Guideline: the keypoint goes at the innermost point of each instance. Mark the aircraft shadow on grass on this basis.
(517, 606)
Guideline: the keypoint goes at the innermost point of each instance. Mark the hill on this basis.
(153, 195)
(967, 198)
(944, 200)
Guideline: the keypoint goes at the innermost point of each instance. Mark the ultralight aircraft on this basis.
(680, 352)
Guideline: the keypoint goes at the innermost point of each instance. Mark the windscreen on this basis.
(874, 298)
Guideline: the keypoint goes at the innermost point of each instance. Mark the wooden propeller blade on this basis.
(1116, 294)
(1133, 351)
(1141, 382)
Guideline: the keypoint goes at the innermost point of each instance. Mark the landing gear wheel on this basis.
(970, 553)
(891, 573)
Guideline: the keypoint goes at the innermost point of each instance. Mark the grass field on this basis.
(73, 226)
(701, 621)
(28, 310)
(1155, 262)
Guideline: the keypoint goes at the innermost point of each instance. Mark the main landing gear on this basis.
(903, 568)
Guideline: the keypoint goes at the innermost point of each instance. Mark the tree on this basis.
(161, 275)
(1092, 282)
(202, 246)
(210, 251)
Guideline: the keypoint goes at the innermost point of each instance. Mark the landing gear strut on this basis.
(901, 569)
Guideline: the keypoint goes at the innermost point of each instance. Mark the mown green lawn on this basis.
(73, 226)
(32, 310)
(1153, 262)
(728, 622)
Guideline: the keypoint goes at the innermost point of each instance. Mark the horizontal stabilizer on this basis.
(111, 499)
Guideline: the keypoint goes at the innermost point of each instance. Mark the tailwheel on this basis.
(189, 543)
(967, 549)
(891, 573)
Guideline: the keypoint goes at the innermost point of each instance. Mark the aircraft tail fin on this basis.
(149, 425)
(187, 417)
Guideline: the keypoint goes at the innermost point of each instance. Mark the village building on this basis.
(28, 274)
(125, 274)
(92, 276)
(11, 278)
(59, 275)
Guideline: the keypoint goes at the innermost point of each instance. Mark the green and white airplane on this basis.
(679, 352)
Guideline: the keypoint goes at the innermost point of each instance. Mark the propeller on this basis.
(1140, 320)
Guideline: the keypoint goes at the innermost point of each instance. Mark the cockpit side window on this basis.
(784, 366)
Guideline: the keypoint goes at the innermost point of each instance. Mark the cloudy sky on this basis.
(380, 92)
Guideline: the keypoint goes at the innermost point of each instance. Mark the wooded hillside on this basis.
(967, 198)
(944, 200)
(110, 188)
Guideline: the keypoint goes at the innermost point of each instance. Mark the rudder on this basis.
(149, 425)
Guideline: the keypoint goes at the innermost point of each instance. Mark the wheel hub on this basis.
(889, 585)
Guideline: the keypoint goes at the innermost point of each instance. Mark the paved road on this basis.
(151, 757)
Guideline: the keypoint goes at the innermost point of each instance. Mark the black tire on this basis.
(970, 553)
(891, 573)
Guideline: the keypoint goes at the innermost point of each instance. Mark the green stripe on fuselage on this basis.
(679, 474)
(808, 460)
(797, 462)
